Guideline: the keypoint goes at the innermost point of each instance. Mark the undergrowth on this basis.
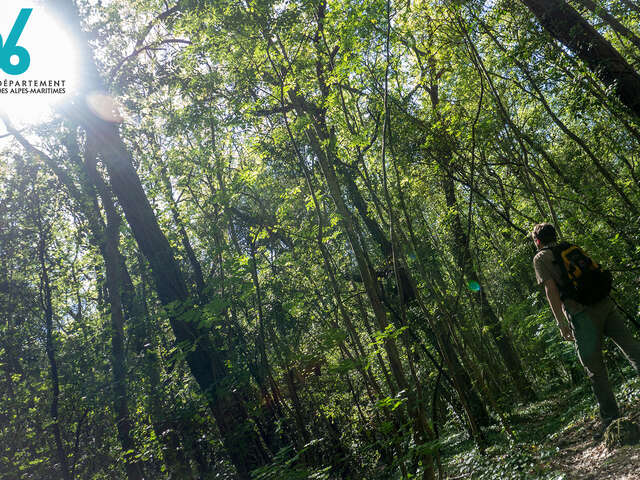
(536, 436)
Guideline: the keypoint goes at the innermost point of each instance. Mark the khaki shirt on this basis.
(546, 268)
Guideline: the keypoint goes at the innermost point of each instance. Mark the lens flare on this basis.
(104, 107)
(474, 286)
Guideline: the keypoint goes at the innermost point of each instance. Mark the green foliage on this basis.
(257, 131)
(285, 466)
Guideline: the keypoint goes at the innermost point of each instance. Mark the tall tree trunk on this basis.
(106, 238)
(444, 325)
(632, 5)
(239, 436)
(367, 376)
(476, 412)
(573, 31)
(205, 362)
(612, 21)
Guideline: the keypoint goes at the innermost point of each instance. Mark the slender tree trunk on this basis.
(184, 238)
(113, 271)
(462, 383)
(323, 143)
(263, 370)
(298, 412)
(172, 448)
(445, 328)
(603, 169)
(369, 379)
(46, 303)
(572, 30)
(475, 408)
(462, 252)
(369, 328)
(317, 138)
(463, 260)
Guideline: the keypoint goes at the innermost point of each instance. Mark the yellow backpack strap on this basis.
(573, 270)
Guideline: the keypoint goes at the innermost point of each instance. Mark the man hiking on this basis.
(585, 321)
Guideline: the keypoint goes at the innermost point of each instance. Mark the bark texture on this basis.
(567, 26)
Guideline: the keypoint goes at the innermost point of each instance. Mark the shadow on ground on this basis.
(549, 439)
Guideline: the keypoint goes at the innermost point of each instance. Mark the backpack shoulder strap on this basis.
(559, 261)
(557, 251)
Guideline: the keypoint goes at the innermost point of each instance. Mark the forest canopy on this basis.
(290, 239)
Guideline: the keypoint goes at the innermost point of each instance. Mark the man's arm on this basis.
(553, 297)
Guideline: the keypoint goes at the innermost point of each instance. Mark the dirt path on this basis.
(554, 440)
(582, 458)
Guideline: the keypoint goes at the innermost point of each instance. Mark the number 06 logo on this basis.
(10, 48)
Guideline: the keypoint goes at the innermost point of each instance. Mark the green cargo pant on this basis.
(588, 327)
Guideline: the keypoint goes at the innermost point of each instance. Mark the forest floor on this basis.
(552, 439)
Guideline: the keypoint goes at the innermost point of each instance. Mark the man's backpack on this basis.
(584, 280)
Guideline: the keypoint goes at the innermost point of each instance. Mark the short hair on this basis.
(545, 232)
